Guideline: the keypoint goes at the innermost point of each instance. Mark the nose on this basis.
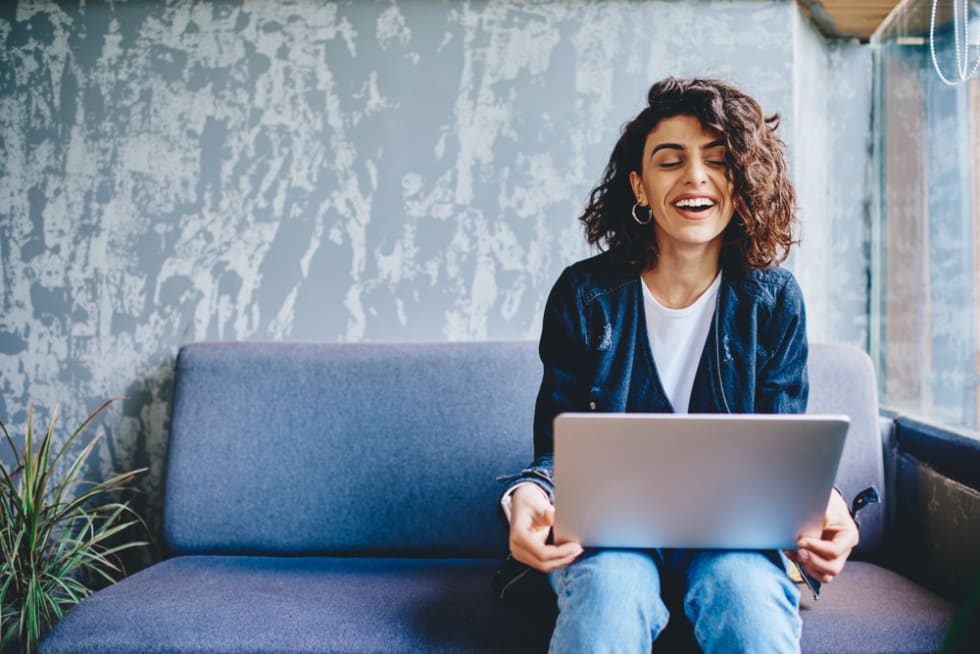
(696, 173)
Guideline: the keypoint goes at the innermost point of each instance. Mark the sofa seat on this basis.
(872, 610)
(390, 473)
(242, 604)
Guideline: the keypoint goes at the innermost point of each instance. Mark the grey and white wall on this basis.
(343, 171)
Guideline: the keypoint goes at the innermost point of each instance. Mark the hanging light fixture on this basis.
(961, 22)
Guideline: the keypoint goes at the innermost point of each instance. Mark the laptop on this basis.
(732, 481)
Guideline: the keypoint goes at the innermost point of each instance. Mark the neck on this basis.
(679, 279)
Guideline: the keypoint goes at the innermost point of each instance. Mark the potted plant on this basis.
(58, 532)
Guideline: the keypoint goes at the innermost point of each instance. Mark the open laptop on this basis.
(733, 481)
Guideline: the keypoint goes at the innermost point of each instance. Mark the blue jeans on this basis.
(737, 601)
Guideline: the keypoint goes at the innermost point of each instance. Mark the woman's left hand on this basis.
(823, 558)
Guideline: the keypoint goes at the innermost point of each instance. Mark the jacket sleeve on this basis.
(782, 385)
(564, 354)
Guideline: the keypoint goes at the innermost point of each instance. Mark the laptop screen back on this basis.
(693, 481)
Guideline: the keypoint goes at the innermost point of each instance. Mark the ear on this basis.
(637, 183)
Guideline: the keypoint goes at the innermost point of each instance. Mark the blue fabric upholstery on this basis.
(871, 610)
(381, 459)
(842, 380)
(240, 604)
(311, 448)
(329, 435)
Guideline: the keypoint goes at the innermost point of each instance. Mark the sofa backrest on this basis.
(385, 449)
(842, 380)
(346, 448)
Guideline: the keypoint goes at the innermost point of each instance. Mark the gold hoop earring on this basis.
(641, 222)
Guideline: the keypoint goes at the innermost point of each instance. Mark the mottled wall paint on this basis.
(390, 170)
(831, 159)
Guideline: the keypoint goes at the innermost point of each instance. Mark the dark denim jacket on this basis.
(597, 357)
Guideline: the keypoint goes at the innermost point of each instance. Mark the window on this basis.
(925, 304)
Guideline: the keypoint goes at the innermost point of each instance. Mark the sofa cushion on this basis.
(226, 604)
(871, 610)
(270, 605)
(393, 449)
(386, 449)
(866, 610)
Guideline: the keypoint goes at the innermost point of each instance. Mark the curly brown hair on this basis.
(761, 231)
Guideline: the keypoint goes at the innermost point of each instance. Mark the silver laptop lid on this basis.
(694, 481)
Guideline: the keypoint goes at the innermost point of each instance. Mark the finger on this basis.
(547, 553)
(560, 563)
(822, 564)
(548, 557)
(534, 517)
(534, 543)
(548, 566)
(819, 568)
(826, 549)
(822, 577)
(846, 534)
(530, 498)
(833, 541)
(547, 517)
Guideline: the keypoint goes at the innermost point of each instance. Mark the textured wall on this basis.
(831, 160)
(391, 170)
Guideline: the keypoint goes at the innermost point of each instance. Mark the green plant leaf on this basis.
(13, 448)
(57, 531)
(84, 425)
(8, 487)
(64, 584)
(71, 477)
(113, 483)
(43, 461)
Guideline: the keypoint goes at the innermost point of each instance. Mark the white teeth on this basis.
(694, 202)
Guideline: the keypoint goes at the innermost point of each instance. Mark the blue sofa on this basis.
(341, 498)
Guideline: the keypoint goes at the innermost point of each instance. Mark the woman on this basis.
(687, 311)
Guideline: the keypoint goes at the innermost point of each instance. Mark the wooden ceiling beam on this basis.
(847, 18)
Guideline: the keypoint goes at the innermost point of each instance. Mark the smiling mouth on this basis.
(694, 205)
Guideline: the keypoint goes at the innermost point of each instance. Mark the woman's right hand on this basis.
(531, 518)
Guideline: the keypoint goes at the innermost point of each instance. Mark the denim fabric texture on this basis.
(611, 601)
(597, 357)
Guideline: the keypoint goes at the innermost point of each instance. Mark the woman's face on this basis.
(685, 183)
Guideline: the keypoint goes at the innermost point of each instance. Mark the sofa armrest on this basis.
(954, 454)
(933, 475)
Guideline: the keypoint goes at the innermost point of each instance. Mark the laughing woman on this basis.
(695, 213)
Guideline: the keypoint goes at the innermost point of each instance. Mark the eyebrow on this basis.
(678, 146)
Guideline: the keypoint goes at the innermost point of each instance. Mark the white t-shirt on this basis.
(677, 338)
